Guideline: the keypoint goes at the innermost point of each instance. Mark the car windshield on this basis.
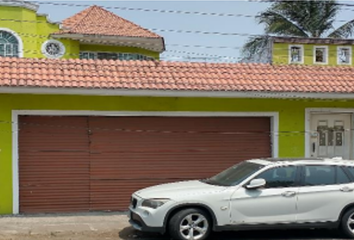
(234, 175)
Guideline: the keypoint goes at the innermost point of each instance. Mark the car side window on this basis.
(350, 170)
(319, 175)
(342, 176)
(279, 177)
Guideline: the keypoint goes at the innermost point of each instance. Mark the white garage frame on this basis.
(274, 116)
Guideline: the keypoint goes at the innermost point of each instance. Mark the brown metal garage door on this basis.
(53, 164)
(95, 163)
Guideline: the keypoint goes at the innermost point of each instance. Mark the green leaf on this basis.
(257, 49)
(280, 25)
(344, 31)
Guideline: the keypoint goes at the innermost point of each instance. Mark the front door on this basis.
(330, 135)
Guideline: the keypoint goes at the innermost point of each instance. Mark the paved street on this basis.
(109, 226)
(127, 234)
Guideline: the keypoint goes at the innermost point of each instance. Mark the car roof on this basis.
(302, 161)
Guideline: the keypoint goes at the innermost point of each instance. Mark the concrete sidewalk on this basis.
(86, 226)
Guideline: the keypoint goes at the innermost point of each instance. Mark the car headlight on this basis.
(154, 203)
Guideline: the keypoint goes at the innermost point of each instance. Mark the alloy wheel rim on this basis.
(194, 226)
(350, 223)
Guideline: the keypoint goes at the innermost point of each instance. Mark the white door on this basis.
(330, 135)
(275, 203)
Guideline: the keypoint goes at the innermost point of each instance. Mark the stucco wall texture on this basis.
(34, 30)
(291, 118)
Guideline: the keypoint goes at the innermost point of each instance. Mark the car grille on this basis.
(136, 219)
(134, 202)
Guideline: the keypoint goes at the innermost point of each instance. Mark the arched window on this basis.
(9, 45)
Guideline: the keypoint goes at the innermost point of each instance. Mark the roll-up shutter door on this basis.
(95, 163)
(53, 164)
(129, 153)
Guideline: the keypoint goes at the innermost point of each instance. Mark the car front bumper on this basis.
(147, 219)
(138, 224)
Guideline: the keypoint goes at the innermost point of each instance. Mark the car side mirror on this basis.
(256, 183)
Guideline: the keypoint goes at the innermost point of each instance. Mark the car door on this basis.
(274, 203)
(325, 191)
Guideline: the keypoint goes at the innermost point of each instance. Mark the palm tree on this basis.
(306, 18)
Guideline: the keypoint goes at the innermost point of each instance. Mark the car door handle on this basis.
(288, 194)
(347, 189)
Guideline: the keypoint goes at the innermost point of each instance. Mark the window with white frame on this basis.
(113, 56)
(320, 54)
(296, 54)
(9, 45)
(53, 49)
(344, 56)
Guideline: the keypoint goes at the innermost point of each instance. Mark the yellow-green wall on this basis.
(291, 118)
(34, 30)
(281, 54)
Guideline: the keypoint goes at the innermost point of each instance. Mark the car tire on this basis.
(347, 223)
(190, 224)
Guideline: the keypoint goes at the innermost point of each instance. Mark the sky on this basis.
(211, 47)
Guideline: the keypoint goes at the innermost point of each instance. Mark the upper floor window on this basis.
(296, 54)
(9, 44)
(320, 54)
(53, 49)
(113, 56)
(344, 56)
(88, 55)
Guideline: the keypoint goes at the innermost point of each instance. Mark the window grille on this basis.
(113, 56)
(9, 45)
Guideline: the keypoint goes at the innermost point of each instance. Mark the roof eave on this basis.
(153, 44)
(173, 93)
(303, 40)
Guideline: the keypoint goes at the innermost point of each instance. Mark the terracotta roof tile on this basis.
(149, 75)
(98, 21)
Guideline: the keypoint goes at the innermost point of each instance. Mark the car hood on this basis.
(179, 189)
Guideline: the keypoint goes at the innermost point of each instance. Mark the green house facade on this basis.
(82, 128)
(25, 33)
(312, 51)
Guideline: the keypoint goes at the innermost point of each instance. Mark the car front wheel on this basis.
(347, 223)
(190, 224)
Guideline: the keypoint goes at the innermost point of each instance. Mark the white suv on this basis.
(255, 194)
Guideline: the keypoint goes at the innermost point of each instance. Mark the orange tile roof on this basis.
(98, 21)
(180, 76)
